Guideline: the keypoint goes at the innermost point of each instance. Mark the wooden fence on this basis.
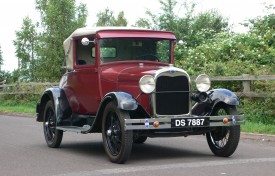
(25, 88)
(38, 88)
(247, 84)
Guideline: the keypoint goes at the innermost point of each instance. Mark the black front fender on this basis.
(123, 100)
(216, 96)
(223, 95)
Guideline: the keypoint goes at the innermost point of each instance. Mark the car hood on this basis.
(128, 73)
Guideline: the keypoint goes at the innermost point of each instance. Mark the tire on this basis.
(223, 141)
(139, 139)
(116, 140)
(52, 136)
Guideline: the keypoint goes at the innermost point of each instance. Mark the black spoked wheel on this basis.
(223, 141)
(53, 136)
(117, 141)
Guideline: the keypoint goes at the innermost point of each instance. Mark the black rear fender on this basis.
(62, 108)
(47, 95)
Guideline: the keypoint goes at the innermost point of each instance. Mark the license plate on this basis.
(189, 122)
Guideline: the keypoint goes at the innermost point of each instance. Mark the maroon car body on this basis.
(121, 82)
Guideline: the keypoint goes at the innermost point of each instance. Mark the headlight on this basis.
(147, 84)
(203, 83)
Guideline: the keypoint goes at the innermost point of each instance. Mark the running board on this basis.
(76, 129)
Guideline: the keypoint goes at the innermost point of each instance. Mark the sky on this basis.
(12, 13)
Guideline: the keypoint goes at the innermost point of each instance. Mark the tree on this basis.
(264, 26)
(166, 19)
(120, 20)
(106, 18)
(188, 26)
(1, 58)
(25, 43)
(39, 47)
(261, 23)
(204, 26)
(59, 18)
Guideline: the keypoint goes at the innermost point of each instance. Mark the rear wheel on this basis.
(53, 136)
(117, 141)
(223, 141)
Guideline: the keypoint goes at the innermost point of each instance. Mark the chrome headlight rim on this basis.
(147, 84)
(203, 83)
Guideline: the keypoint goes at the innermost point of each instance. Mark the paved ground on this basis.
(23, 151)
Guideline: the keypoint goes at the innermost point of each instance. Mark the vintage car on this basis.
(121, 82)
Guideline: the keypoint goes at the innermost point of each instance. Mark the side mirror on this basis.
(85, 41)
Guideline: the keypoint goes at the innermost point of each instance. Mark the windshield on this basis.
(117, 49)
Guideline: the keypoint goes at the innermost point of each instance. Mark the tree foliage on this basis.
(265, 26)
(188, 26)
(25, 43)
(107, 18)
(59, 18)
(233, 54)
(39, 47)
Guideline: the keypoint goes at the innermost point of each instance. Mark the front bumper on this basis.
(165, 122)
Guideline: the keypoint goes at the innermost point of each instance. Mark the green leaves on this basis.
(230, 54)
(39, 48)
(106, 18)
(193, 28)
(25, 48)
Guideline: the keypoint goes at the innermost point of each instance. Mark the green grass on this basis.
(8, 106)
(253, 127)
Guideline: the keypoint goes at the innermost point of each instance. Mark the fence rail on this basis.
(38, 88)
(25, 88)
(246, 82)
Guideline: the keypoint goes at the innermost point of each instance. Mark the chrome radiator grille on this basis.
(172, 95)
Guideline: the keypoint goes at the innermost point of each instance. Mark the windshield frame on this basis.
(136, 43)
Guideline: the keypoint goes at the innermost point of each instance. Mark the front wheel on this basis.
(117, 141)
(139, 139)
(53, 136)
(223, 141)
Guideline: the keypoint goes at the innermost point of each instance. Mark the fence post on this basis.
(246, 83)
(17, 87)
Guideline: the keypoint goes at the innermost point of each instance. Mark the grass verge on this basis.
(253, 127)
(7, 106)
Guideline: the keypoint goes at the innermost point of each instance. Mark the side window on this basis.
(85, 55)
